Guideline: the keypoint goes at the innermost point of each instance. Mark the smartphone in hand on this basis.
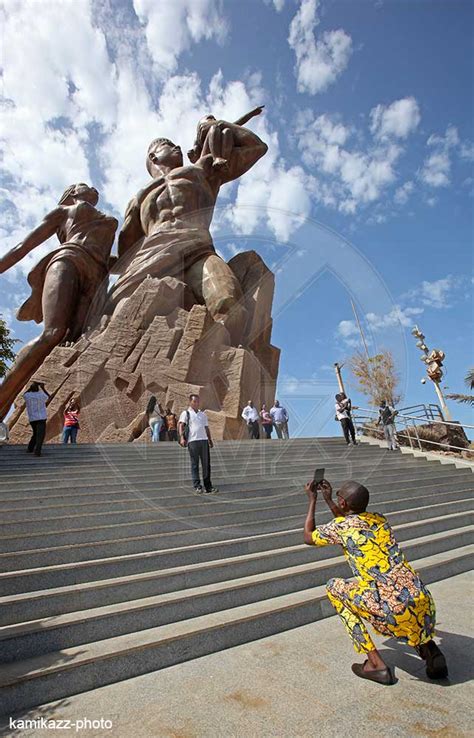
(318, 477)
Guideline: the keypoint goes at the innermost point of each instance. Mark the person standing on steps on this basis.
(163, 435)
(71, 422)
(251, 416)
(385, 591)
(154, 418)
(193, 431)
(387, 415)
(267, 422)
(280, 419)
(171, 424)
(35, 401)
(343, 414)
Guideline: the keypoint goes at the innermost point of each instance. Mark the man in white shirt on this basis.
(193, 430)
(35, 401)
(250, 415)
(280, 420)
(343, 409)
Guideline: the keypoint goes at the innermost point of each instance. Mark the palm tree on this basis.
(467, 399)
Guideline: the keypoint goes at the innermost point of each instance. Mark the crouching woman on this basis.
(385, 592)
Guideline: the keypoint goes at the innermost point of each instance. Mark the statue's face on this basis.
(167, 154)
(86, 193)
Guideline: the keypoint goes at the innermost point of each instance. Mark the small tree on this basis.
(469, 381)
(7, 354)
(376, 377)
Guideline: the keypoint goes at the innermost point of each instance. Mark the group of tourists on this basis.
(36, 398)
(276, 418)
(163, 424)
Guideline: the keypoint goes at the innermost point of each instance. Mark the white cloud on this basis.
(277, 4)
(288, 384)
(397, 120)
(467, 151)
(439, 293)
(6, 314)
(396, 316)
(171, 27)
(436, 168)
(319, 61)
(403, 192)
(347, 328)
(352, 168)
(346, 177)
(348, 331)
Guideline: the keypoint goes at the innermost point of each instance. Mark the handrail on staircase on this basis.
(429, 411)
(363, 415)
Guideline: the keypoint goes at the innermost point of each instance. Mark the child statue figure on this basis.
(216, 140)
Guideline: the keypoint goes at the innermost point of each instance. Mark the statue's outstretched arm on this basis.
(45, 230)
(248, 116)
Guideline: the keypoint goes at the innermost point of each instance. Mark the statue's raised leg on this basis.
(214, 283)
(58, 302)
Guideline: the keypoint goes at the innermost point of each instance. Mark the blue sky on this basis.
(366, 191)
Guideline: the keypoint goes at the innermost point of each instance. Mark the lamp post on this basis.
(434, 361)
(337, 369)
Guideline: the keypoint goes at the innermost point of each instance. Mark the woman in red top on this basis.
(267, 421)
(71, 422)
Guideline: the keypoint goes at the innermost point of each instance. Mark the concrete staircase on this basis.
(111, 567)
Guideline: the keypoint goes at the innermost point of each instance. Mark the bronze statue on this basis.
(217, 140)
(65, 284)
(166, 227)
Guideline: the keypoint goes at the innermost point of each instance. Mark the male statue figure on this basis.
(166, 227)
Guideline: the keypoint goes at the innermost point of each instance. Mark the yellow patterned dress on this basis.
(386, 591)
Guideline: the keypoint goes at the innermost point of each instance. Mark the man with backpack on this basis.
(387, 415)
(193, 429)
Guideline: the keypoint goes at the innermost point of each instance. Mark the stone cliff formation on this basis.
(158, 342)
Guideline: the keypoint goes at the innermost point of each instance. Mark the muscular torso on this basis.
(183, 198)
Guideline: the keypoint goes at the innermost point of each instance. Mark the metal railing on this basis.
(427, 411)
(364, 421)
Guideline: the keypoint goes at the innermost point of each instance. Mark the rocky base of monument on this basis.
(157, 343)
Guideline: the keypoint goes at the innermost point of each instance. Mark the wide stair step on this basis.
(125, 571)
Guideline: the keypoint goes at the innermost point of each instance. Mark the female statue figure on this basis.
(65, 283)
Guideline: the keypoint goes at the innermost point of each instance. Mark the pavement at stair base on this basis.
(291, 684)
